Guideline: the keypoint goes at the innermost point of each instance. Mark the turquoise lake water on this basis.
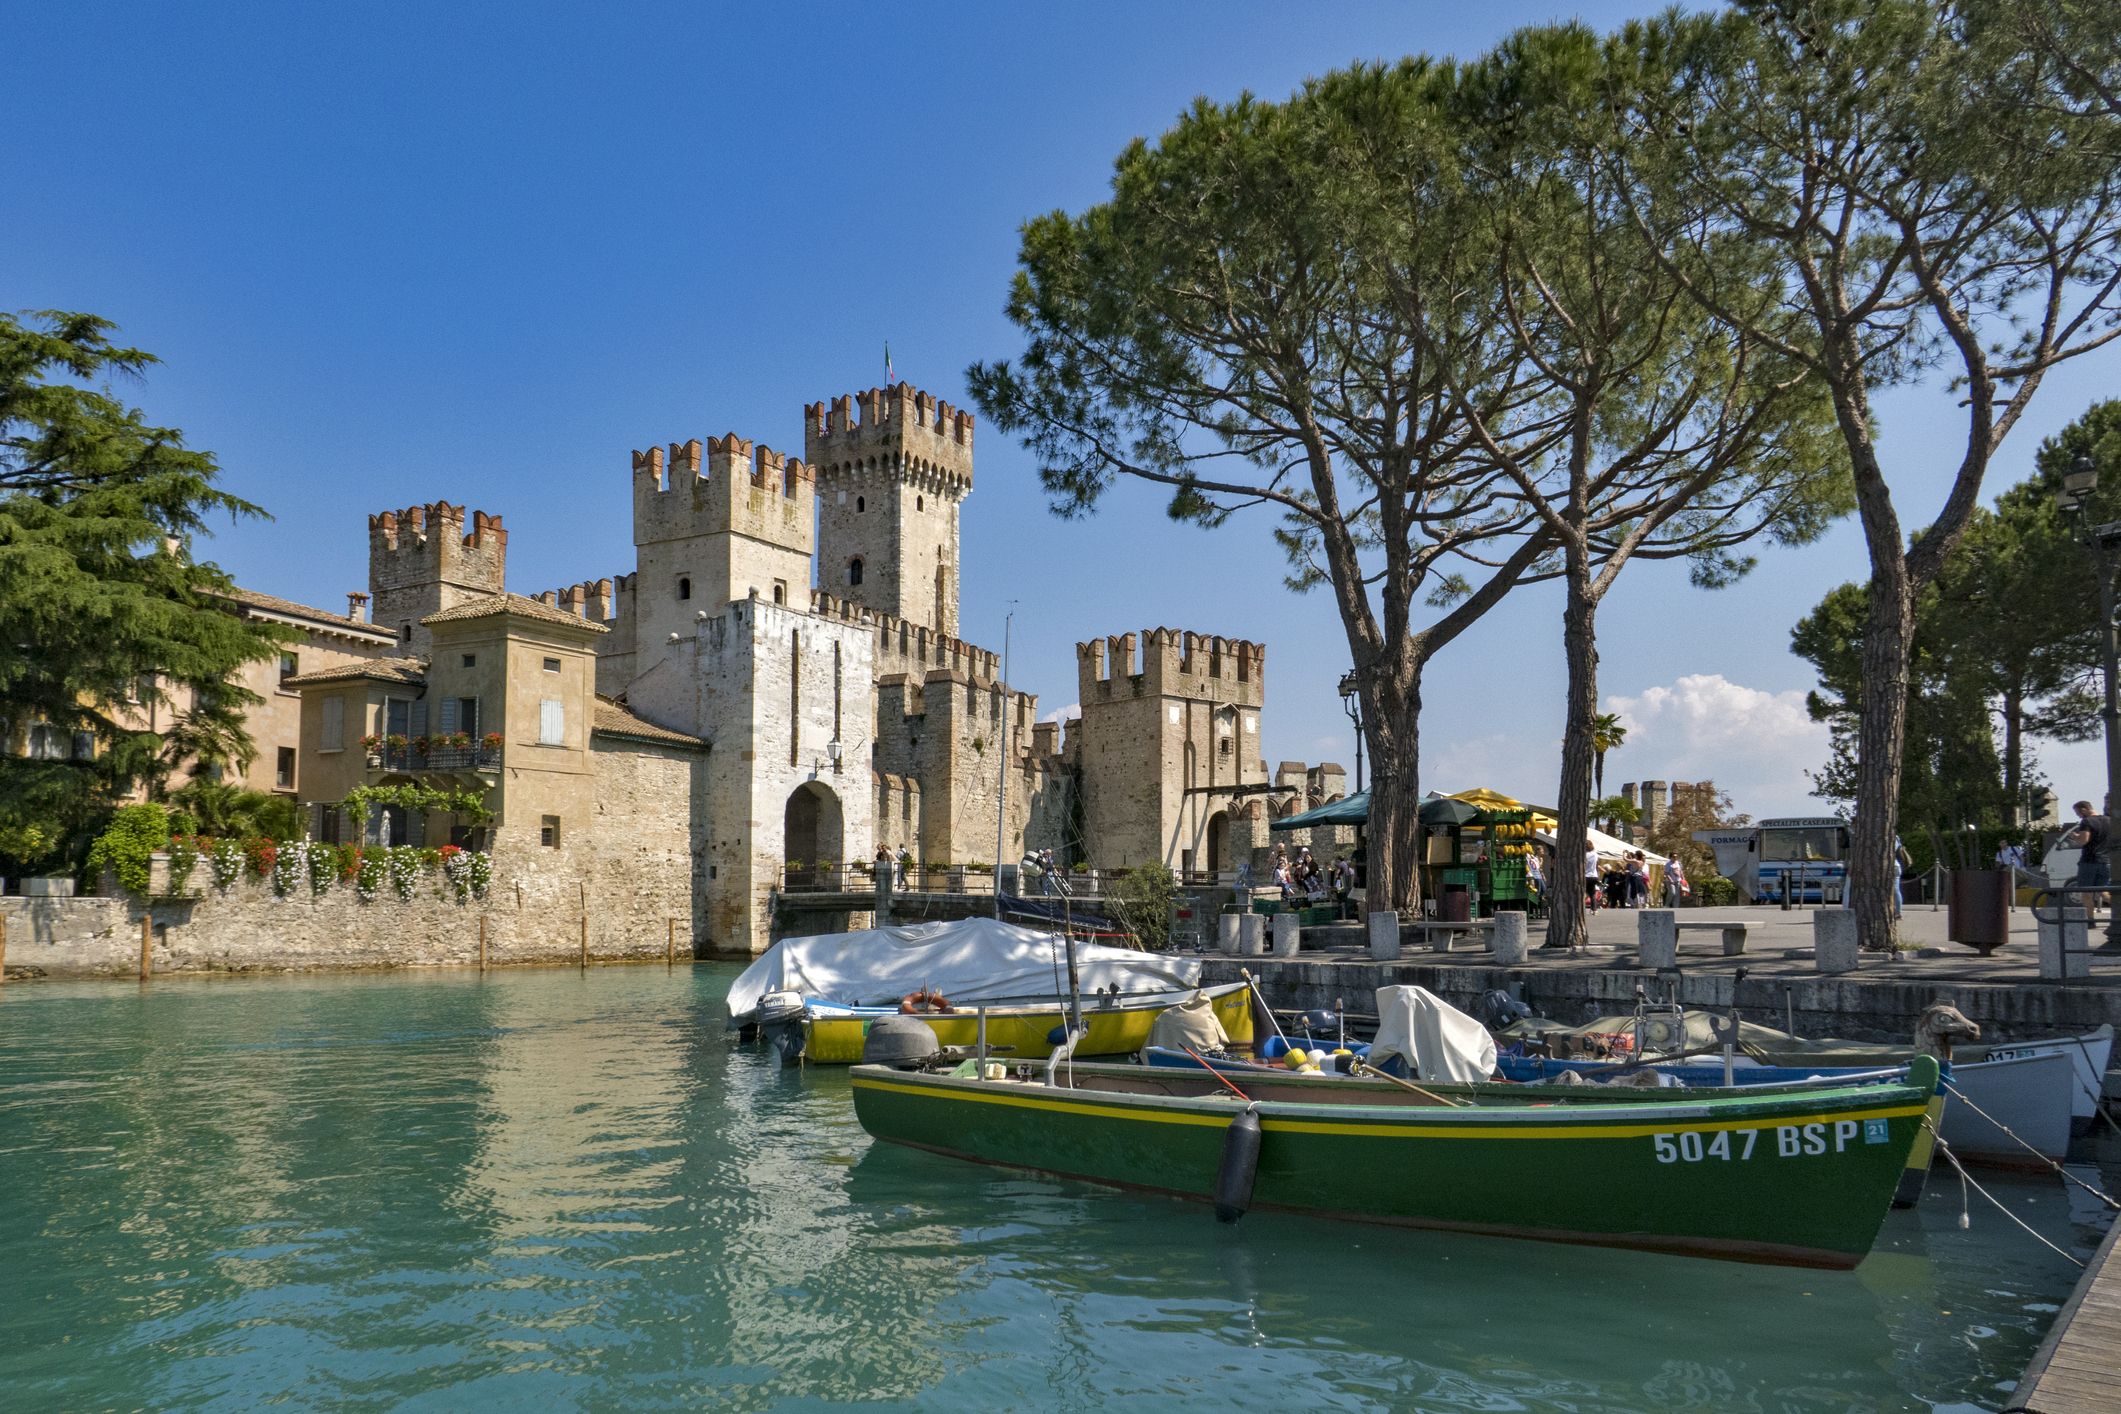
(567, 1191)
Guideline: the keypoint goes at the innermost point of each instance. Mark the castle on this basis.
(778, 678)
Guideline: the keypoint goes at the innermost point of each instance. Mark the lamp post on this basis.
(2074, 498)
(1351, 702)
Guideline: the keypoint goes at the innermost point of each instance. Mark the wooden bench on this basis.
(1440, 933)
(1733, 934)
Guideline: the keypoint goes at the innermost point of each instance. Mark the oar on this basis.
(1363, 1067)
(1214, 1072)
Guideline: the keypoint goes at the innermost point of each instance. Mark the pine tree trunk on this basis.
(1881, 740)
(1567, 925)
(2014, 753)
(1393, 726)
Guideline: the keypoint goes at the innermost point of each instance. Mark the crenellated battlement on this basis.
(422, 559)
(409, 531)
(899, 421)
(903, 646)
(725, 484)
(1170, 662)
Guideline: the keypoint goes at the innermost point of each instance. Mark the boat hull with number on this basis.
(1799, 1175)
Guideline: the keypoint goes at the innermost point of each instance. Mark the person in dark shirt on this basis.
(2090, 837)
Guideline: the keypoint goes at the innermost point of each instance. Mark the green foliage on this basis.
(127, 846)
(98, 597)
(415, 798)
(1699, 807)
(183, 859)
(1142, 898)
(218, 808)
(1713, 891)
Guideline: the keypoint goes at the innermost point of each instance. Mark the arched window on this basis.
(861, 503)
(684, 586)
(854, 571)
(920, 503)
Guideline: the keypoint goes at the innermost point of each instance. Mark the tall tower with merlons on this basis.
(893, 466)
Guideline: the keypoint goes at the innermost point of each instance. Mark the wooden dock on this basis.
(2077, 1369)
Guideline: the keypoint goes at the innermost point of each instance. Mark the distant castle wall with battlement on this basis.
(421, 560)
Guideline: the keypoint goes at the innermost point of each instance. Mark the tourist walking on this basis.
(1593, 882)
(1676, 887)
(2089, 836)
(1638, 868)
(905, 864)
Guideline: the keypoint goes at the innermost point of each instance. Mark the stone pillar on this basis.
(1251, 934)
(2063, 946)
(1286, 935)
(1834, 943)
(1384, 937)
(1510, 941)
(1229, 934)
(1657, 937)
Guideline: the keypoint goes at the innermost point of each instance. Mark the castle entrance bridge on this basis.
(820, 900)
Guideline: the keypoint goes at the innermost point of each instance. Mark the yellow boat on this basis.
(1119, 1026)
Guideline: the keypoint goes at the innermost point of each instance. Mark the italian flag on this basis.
(889, 376)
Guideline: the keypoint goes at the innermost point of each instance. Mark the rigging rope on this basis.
(1960, 1096)
(1965, 1179)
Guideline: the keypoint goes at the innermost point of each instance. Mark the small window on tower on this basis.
(780, 591)
(684, 587)
(406, 633)
(861, 503)
(920, 503)
(854, 572)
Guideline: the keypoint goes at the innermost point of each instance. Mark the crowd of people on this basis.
(1625, 882)
(1302, 880)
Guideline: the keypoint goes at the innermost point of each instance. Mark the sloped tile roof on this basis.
(397, 670)
(519, 605)
(273, 604)
(615, 719)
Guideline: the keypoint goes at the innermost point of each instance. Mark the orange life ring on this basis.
(914, 1002)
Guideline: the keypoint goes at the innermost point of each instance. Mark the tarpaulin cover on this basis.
(969, 961)
(1439, 1041)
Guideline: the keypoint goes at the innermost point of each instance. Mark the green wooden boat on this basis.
(1798, 1175)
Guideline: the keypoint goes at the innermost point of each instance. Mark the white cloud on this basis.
(1754, 744)
(1064, 714)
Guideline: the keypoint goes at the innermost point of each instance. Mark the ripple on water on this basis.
(566, 1190)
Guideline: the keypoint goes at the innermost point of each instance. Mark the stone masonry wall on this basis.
(533, 914)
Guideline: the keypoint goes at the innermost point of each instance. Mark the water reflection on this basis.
(566, 1190)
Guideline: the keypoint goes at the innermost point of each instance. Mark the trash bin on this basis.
(1979, 910)
(1456, 905)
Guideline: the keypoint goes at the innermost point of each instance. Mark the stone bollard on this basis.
(1251, 935)
(1229, 936)
(1657, 938)
(2063, 946)
(1511, 944)
(1384, 937)
(1287, 935)
(1834, 945)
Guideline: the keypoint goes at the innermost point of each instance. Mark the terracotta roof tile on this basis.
(615, 719)
(400, 670)
(516, 604)
(273, 604)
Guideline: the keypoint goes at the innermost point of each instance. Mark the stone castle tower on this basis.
(712, 526)
(889, 487)
(420, 561)
(1170, 728)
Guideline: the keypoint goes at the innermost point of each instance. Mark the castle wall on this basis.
(712, 525)
(771, 688)
(1170, 719)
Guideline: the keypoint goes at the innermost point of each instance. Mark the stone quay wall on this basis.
(530, 917)
(1878, 1009)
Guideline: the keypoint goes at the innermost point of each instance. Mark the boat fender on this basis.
(1057, 1035)
(1233, 1181)
(921, 1001)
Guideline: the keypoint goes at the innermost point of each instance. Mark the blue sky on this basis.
(395, 254)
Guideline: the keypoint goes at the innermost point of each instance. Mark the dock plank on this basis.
(2077, 1369)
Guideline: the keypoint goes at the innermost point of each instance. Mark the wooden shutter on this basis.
(552, 722)
(334, 723)
(449, 715)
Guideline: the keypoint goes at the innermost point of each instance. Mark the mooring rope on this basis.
(1966, 1179)
(1960, 1095)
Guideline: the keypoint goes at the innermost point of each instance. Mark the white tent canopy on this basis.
(1610, 847)
(970, 961)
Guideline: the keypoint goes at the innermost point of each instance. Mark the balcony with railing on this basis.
(421, 754)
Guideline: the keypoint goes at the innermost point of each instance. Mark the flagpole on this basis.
(1001, 796)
